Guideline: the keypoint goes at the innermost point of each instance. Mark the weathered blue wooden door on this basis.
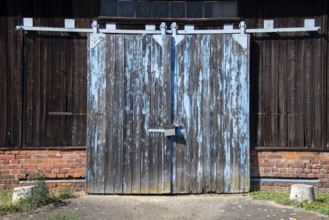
(211, 103)
(138, 84)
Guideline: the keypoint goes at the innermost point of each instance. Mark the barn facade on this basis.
(44, 90)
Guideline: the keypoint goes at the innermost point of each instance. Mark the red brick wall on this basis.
(16, 165)
(287, 164)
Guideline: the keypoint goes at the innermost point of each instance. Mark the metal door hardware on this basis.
(309, 25)
(168, 130)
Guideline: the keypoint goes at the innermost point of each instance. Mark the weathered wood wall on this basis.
(128, 94)
(289, 75)
(43, 73)
(212, 105)
(138, 83)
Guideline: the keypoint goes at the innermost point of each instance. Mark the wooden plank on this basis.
(267, 129)
(324, 56)
(226, 110)
(291, 64)
(10, 80)
(204, 54)
(82, 90)
(43, 60)
(179, 89)
(63, 88)
(196, 90)
(49, 88)
(155, 102)
(261, 102)
(146, 87)
(183, 80)
(52, 103)
(69, 88)
(218, 157)
(43, 85)
(317, 96)
(326, 71)
(274, 93)
(96, 129)
(159, 117)
(3, 82)
(90, 151)
(166, 116)
(27, 139)
(128, 114)
(233, 116)
(300, 95)
(308, 88)
(243, 114)
(35, 98)
(17, 130)
(161, 68)
(320, 77)
(111, 117)
(75, 91)
(119, 109)
(213, 125)
(283, 125)
(137, 108)
(11, 68)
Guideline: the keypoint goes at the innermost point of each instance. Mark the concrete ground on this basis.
(167, 207)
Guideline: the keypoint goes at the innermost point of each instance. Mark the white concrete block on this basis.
(302, 192)
(22, 193)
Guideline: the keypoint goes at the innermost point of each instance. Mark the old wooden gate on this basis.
(140, 84)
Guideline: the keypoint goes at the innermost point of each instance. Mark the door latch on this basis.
(169, 130)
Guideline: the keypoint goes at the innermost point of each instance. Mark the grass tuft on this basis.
(321, 205)
(65, 193)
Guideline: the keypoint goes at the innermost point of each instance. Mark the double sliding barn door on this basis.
(138, 85)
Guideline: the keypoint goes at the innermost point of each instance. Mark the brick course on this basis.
(16, 165)
(289, 164)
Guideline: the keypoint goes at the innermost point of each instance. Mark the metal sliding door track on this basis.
(309, 26)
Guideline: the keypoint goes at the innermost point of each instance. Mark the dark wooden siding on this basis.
(10, 82)
(289, 75)
(43, 73)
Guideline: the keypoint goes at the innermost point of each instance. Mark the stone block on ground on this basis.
(22, 193)
(302, 192)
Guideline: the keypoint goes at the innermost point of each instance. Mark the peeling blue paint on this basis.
(195, 104)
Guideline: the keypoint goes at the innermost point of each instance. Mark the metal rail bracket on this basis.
(309, 26)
